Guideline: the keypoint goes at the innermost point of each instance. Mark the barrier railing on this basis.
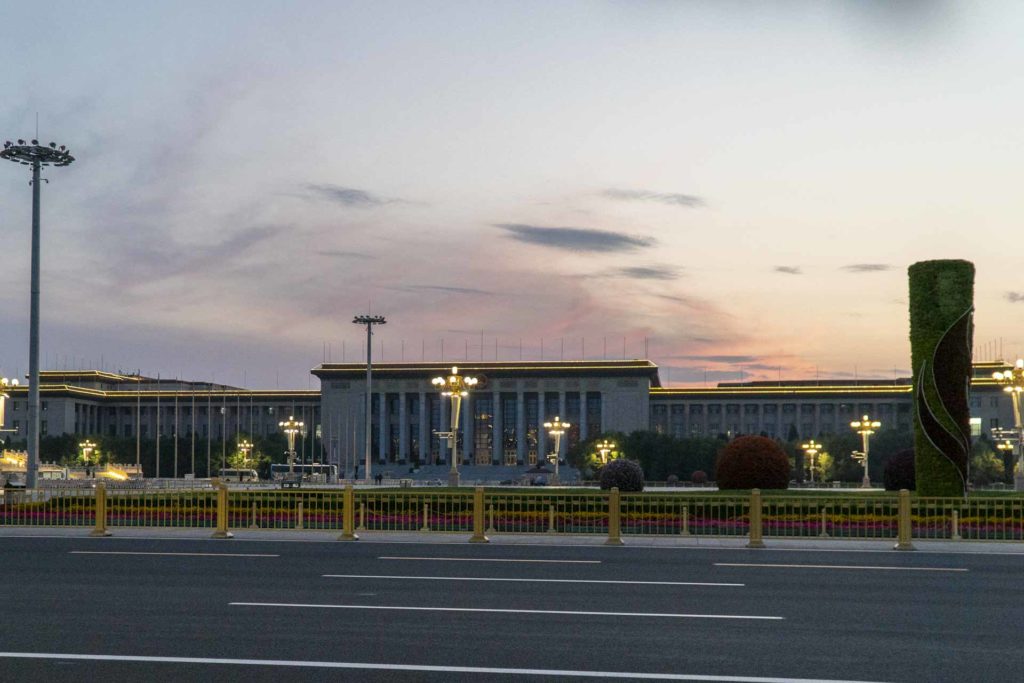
(480, 512)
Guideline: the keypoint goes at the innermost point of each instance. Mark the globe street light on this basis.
(369, 321)
(455, 387)
(604, 447)
(1013, 381)
(291, 428)
(865, 427)
(5, 384)
(245, 447)
(811, 449)
(36, 156)
(556, 428)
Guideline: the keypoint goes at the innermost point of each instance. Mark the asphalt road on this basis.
(320, 610)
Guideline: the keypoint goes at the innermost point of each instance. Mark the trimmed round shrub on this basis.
(699, 477)
(673, 480)
(627, 475)
(752, 462)
(900, 472)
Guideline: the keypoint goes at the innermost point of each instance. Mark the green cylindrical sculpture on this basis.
(941, 332)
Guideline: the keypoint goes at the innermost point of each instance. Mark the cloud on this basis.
(346, 254)
(347, 196)
(673, 199)
(788, 270)
(453, 290)
(576, 239)
(1015, 297)
(649, 272)
(867, 267)
(717, 358)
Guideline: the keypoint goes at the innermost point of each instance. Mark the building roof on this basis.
(494, 370)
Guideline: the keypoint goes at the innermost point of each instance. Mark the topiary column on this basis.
(941, 332)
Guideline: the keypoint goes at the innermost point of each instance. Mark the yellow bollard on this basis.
(684, 529)
(101, 511)
(348, 515)
(426, 518)
(956, 525)
(551, 520)
(614, 518)
(903, 541)
(298, 516)
(490, 520)
(478, 517)
(824, 522)
(756, 530)
(362, 517)
(222, 513)
(254, 525)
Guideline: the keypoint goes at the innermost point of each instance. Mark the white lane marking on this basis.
(841, 566)
(126, 552)
(405, 608)
(483, 578)
(486, 559)
(371, 666)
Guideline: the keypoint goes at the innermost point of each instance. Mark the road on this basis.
(425, 612)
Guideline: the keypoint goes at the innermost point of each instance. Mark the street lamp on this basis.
(245, 446)
(36, 156)
(87, 447)
(865, 427)
(455, 387)
(291, 428)
(604, 447)
(811, 449)
(556, 428)
(369, 321)
(5, 384)
(1013, 381)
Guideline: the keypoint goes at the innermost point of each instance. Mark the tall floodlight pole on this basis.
(865, 427)
(369, 321)
(454, 387)
(36, 156)
(1013, 381)
(811, 449)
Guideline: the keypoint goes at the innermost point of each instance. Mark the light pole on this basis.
(604, 447)
(1013, 381)
(244, 447)
(369, 321)
(556, 428)
(811, 449)
(87, 447)
(291, 428)
(5, 384)
(865, 427)
(36, 156)
(455, 387)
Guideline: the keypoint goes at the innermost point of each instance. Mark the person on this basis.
(380, 479)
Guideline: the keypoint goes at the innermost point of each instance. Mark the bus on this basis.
(238, 474)
(316, 473)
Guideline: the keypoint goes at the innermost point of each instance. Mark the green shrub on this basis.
(752, 462)
(626, 475)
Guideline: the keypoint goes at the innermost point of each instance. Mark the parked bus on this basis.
(316, 473)
(238, 474)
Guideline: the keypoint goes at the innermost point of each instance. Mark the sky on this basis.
(734, 190)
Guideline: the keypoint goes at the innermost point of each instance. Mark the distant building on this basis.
(501, 420)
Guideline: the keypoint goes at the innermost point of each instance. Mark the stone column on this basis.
(583, 416)
(424, 428)
(542, 434)
(444, 424)
(403, 428)
(497, 448)
(564, 442)
(468, 424)
(382, 428)
(521, 427)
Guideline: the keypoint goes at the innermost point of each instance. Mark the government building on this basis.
(501, 420)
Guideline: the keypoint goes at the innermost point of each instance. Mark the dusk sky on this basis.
(742, 185)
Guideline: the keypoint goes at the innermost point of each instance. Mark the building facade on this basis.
(501, 420)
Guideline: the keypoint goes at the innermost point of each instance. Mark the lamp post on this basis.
(5, 384)
(369, 321)
(244, 447)
(87, 447)
(291, 428)
(811, 449)
(604, 447)
(556, 428)
(455, 387)
(865, 427)
(36, 156)
(1013, 384)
